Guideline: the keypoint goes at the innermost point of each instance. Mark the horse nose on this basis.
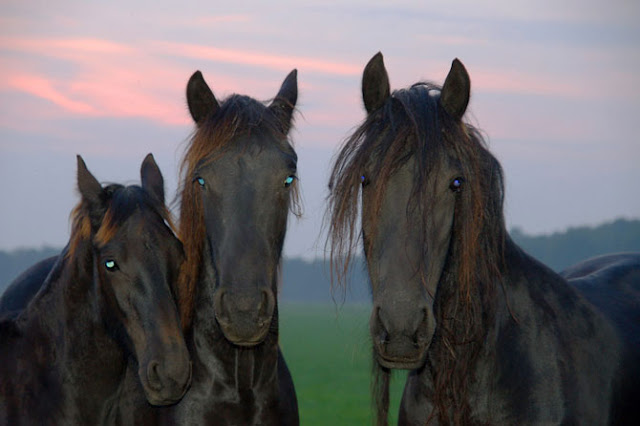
(258, 304)
(398, 330)
(168, 379)
(244, 315)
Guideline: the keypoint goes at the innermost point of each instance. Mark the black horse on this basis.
(20, 291)
(238, 183)
(108, 296)
(491, 336)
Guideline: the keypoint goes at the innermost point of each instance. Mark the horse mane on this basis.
(121, 202)
(412, 123)
(238, 115)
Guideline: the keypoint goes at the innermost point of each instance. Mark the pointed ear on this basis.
(456, 90)
(151, 178)
(285, 101)
(89, 187)
(375, 84)
(92, 193)
(200, 98)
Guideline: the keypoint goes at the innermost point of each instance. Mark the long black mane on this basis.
(412, 123)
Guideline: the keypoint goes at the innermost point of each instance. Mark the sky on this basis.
(555, 89)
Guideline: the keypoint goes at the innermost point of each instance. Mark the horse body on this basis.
(491, 335)
(108, 295)
(22, 289)
(53, 381)
(549, 357)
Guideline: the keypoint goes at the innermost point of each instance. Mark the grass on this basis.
(328, 351)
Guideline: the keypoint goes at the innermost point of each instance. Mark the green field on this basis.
(328, 351)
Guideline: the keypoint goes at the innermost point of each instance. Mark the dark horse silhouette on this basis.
(20, 291)
(109, 295)
(238, 184)
(491, 336)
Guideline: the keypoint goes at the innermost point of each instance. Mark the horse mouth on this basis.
(246, 343)
(243, 337)
(403, 363)
(399, 355)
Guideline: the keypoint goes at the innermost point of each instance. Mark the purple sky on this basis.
(555, 87)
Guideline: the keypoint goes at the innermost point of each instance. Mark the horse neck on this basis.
(528, 283)
(66, 313)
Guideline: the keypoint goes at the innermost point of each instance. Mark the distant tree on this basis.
(563, 249)
(309, 281)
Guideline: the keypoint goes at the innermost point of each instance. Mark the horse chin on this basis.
(244, 338)
(159, 400)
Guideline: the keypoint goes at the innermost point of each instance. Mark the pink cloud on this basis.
(524, 83)
(63, 47)
(276, 62)
(43, 88)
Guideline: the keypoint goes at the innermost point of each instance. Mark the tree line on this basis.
(309, 281)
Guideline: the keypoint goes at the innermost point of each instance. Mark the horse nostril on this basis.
(219, 306)
(383, 338)
(382, 331)
(265, 308)
(421, 335)
(153, 375)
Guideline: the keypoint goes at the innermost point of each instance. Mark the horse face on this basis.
(405, 261)
(245, 195)
(245, 189)
(136, 268)
(137, 259)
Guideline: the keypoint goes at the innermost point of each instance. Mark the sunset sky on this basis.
(555, 88)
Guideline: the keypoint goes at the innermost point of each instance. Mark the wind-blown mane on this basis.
(413, 123)
(238, 115)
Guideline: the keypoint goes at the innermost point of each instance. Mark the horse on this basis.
(489, 334)
(22, 289)
(238, 183)
(108, 297)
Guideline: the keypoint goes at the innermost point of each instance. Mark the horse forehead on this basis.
(254, 158)
(144, 226)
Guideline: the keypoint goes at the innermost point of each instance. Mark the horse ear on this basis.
(456, 90)
(92, 193)
(285, 101)
(89, 187)
(375, 84)
(200, 98)
(151, 178)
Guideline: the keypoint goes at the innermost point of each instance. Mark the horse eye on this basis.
(199, 180)
(456, 185)
(364, 181)
(289, 180)
(111, 265)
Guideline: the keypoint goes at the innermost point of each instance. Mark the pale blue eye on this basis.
(289, 180)
(200, 181)
(110, 265)
(456, 185)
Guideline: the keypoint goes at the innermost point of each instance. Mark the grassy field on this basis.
(328, 351)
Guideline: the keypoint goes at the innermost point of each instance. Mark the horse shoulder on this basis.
(556, 355)
(22, 289)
